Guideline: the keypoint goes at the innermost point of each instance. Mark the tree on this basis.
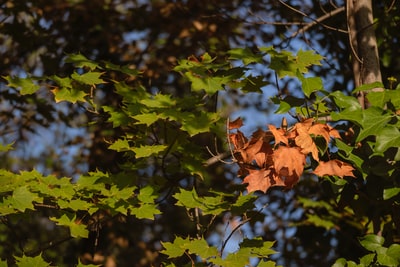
(150, 172)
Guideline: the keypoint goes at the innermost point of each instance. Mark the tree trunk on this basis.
(365, 58)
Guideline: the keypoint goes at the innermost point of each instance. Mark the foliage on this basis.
(153, 175)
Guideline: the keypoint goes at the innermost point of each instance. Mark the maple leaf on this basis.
(324, 130)
(235, 124)
(238, 139)
(279, 135)
(264, 157)
(262, 180)
(305, 142)
(334, 168)
(289, 163)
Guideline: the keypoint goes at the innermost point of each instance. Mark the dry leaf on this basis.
(235, 124)
(289, 161)
(305, 142)
(238, 139)
(279, 135)
(334, 167)
(262, 180)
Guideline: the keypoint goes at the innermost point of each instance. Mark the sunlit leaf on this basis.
(90, 78)
(22, 198)
(77, 229)
(146, 151)
(70, 95)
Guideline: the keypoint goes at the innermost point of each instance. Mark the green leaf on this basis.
(26, 85)
(81, 61)
(373, 121)
(367, 260)
(120, 145)
(388, 258)
(159, 101)
(146, 151)
(195, 124)
(306, 59)
(63, 82)
(123, 69)
(390, 192)
(372, 242)
(246, 55)
(25, 261)
(341, 262)
(196, 246)
(70, 95)
(287, 103)
(90, 78)
(254, 84)
(209, 84)
(310, 84)
(367, 87)
(386, 138)
(117, 118)
(76, 228)
(343, 101)
(22, 198)
(320, 222)
(5, 148)
(147, 118)
(145, 211)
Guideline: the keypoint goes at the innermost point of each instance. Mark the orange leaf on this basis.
(324, 130)
(289, 161)
(305, 142)
(238, 139)
(279, 135)
(334, 167)
(235, 124)
(262, 180)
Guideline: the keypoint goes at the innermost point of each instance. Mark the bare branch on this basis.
(315, 21)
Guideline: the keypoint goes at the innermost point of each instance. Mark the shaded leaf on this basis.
(26, 261)
(81, 61)
(26, 85)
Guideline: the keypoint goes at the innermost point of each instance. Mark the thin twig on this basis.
(319, 20)
(231, 234)
(315, 21)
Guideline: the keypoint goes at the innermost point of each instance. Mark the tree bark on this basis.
(364, 47)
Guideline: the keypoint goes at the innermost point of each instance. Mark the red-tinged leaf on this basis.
(334, 168)
(235, 124)
(262, 180)
(305, 142)
(279, 135)
(238, 139)
(289, 161)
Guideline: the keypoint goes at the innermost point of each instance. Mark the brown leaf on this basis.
(324, 130)
(289, 161)
(334, 167)
(264, 157)
(305, 142)
(238, 139)
(262, 180)
(279, 135)
(235, 124)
